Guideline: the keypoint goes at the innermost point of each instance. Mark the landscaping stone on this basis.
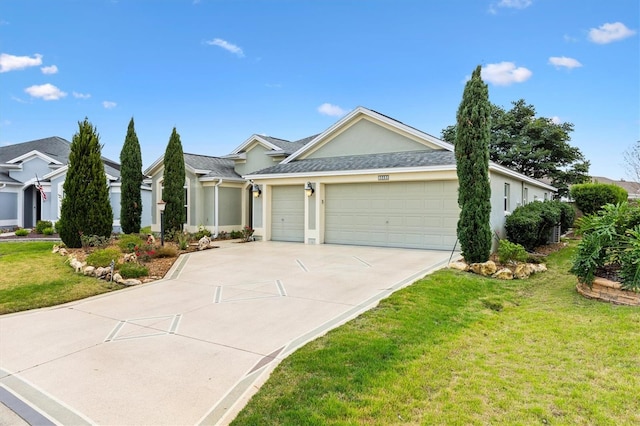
(522, 271)
(89, 270)
(503, 274)
(609, 291)
(117, 278)
(130, 257)
(459, 265)
(485, 269)
(538, 267)
(204, 243)
(130, 282)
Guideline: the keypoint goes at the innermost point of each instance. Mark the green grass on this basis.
(455, 348)
(32, 277)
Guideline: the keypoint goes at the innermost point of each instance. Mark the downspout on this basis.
(215, 211)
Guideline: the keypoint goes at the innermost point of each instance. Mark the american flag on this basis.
(39, 188)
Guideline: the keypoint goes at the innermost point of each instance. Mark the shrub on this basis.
(235, 234)
(128, 242)
(182, 239)
(146, 230)
(247, 232)
(509, 252)
(166, 251)
(567, 216)
(97, 241)
(41, 225)
(202, 232)
(22, 232)
(103, 257)
(47, 231)
(530, 225)
(590, 197)
(133, 270)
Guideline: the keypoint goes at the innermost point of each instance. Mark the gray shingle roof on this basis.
(423, 158)
(216, 166)
(289, 147)
(5, 178)
(55, 147)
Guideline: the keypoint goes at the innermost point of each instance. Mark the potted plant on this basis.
(609, 253)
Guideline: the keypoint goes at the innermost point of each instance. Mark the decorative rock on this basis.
(117, 277)
(538, 267)
(204, 243)
(522, 271)
(101, 272)
(130, 257)
(130, 282)
(56, 248)
(461, 266)
(89, 270)
(76, 264)
(486, 269)
(151, 240)
(63, 251)
(503, 274)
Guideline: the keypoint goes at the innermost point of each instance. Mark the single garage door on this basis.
(287, 213)
(393, 214)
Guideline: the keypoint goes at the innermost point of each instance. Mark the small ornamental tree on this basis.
(173, 186)
(131, 176)
(85, 207)
(472, 165)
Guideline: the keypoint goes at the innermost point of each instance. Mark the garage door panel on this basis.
(287, 213)
(394, 214)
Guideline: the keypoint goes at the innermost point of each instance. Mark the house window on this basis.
(507, 196)
(525, 196)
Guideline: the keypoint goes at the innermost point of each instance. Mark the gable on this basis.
(366, 136)
(255, 158)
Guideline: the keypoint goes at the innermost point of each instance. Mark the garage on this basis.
(287, 214)
(420, 215)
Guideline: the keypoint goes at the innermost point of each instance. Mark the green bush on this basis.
(567, 216)
(590, 197)
(129, 242)
(202, 232)
(96, 241)
(146, 230)
(530, 225)
(165, 251)
(22, 232)
(103, 257)
(47, 231)
(235, 234)
(509, 252)
(133, 270)
(41, 225)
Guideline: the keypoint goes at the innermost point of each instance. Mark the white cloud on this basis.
(563, 61)
(505, 73)
(331, 110)
(515, 4)
(556, 120)
(13, 63)
(226, 46)
(109, 104)
(569, 39)
(81, 95)
(48, 92)
(608, 33)
(49, 70)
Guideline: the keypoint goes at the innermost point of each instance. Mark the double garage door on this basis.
(387, 214)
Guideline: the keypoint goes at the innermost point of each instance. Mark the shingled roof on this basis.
(214, 166)
(408, 159)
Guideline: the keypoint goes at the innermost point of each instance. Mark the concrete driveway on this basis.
(193, 347)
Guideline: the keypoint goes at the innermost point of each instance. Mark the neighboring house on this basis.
(367, 180)
(632, 188)
(23, 202)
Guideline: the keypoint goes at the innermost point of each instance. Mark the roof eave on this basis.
(383, 171)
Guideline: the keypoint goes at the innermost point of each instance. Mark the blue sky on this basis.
(222, 70)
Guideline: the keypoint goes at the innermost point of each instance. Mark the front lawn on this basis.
(32, 277)
(456, 348)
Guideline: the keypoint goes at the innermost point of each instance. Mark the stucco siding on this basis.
(208, 205)
(230, 209)
(8, 206)
(366, 137)
(30, 169)
(256, 160)
(257, 211)
(145, 219)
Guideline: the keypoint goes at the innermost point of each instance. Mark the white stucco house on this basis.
(367, 180)
(26, 167)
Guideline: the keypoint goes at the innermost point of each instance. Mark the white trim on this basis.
(226, 179)
(153, 165)
(255, 138)
(501, 169)
(34, 153)
(9, 222)
(56, 172)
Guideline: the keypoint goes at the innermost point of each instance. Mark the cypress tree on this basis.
(173, 191)
(86, 209)
(131, 177)
(472, 164)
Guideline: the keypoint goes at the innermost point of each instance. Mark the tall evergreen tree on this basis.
(472, 164)
(86, 209)
(173, 191)
(131, 176)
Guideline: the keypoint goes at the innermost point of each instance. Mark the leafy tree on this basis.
(632, 161)
(534, 146)
(85, 207)
(472, 159)
(131, 175)
(591, 197)
(173, 192)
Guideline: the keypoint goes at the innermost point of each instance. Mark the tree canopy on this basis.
(472, 165)
(86, 209)
(173, 185)
(537, 147)
(131, 176)
(632, 161)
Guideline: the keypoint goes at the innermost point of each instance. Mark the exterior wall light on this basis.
(308, 189)
(255, 189)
